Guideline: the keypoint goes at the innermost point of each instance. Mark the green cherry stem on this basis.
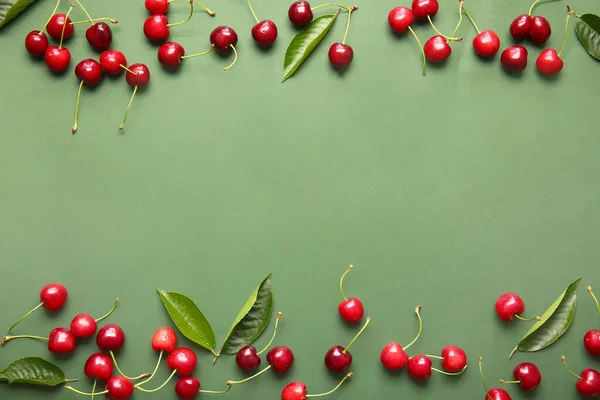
(208, 10)
(564, 361)
(51, 15)
(342, 282)
(62, 34)
(199, 54)
(160, 355)
(112, 21)
(517, 316)
(449, 39)
(7, 338)
(332, 390)
(75, 125)
(532, 6)
(470, 18)
(138, 386)
(420, 47)
(188, 18)
(331, 5)
(229, 383)
(128, 107)
(480, 360)
(510, 382)
(450, 373)
(26, 315)
(128, 70)
(235, 57)
(589, 289)
(114, 307)
(94, 388)
(272, 337)
(418, 312)
(215, 391)
(460, 17)
(85, 11)
(252, 11)
(569, 12)
(72, 389)
(358, 334)
(112, 355)
(348, 23)
(436, 357)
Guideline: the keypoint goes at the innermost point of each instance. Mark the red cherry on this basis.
(351, 310)
(61, 341)
(437, 49)
(111, 61)
(223, 37)
(157, 6)
(540, 30)
(454, 359)
(281, 358)
(187, 387)
(497, 394)
(84, 325)
(55, 26)
(57, 59)
(425, 8)
(337, 359)
(110, 337)
(300, 13)
(510, 304)
(164, 339)
(520, 26)
(182, 359)
(294, 391)
(36, 43)
(156, 29)
(400, 18)
(513, 58)
(340, 56)
(119, 388)
(528, 375)
(247, 358)
(419, 367)
(264, 33)
(54, 295)
(486, 44)
(589, 384)
(393, 356)
(549, 62)
(89, 71)
(170, 53)
(141, 79)
(98, 366)
(591, 341)
(99, 36)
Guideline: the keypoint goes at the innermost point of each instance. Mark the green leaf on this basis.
(305, 42)
(553, 323)
(252, 319)
(33, 371)
(9, 9)
(188, 318)
(587, 28)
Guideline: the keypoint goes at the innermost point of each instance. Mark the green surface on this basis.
(444, 191)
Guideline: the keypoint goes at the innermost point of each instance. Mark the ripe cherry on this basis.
(338, 358)
(164, 339)
(419, 367)
(157, 6)
(591, 339)
(298, 390)
(340, 56)
(170, 53)
(393, 356)
(119, 388)
(264, 32)
(300, 13)
(247, 358)
(187, 387)
(494, 393)
(90, 72)
(84, 325)
(486, 43)
(183, 360)
(53, 296)
(454, 359)
(549, 62)
(57, 58)
(113, 61)
(513, 58)
(36, 43)
(110, 337)
(99, 36)
(400, 18)
(588, 382)
(351, 309)
(156, 27)
(137, 76)
(223, 38)
(540, 30)
(437, 49)
(61, 341)
(56, 25)
(98, 366)
(425, 8)
(527, 375)
(519, 28)
(280, 358)
(510, 305)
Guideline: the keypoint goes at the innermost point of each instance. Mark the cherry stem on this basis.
(332, 4)
(418, 312)
(509, 382)
(25, 316)
(480, 360)
(128, 70)
(72, 389)
(436, 357)
(564, 361)
(460, 17)
(188, 18)
(234, 58)
(334, 389)
(348, 24)
(127, 112)
(589, 289)
(249, 378)
(450, 39)
(470, 18)
(7, 338)
(342, 282)
(114, 307)
(532, 6)
(209, 12)
(569, 12)
(450, 373)
(94, 388)
(199, 54)
(358, 334)
(155, 369)
(112, 355)
(85, 11)
(51, 15)
(421, 47)
(517, 316)
(62, 34)
(216, 391)
(272, 337)
(252, 11)
(138, 386)
(75, 125)
(112, 21)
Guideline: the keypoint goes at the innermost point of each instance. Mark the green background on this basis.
(444, 191)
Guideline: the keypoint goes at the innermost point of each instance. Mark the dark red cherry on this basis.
(223, 37)
(36, 43)
(183, 360)
(187, 387)
(528, 375)
(54, 295)
(141, 79)
(338, 360)
(170, 53)
(156, 29)
(519, 28)
(164, 339)
(437, 49)
(56, 24)
(454, 359)
(400, 18)
(300, 13)
(264, 33)
(340, 55)
(540, 30)
(58, 60)
(111, 61)
(110, 337)
(591, 342)
(425, 8)
(549, 62)
(419, 367)
(157, 6)
(513, 58)
(497, 394)
(281, 358)
(84, 325)
(61, 341)
(247, 358)
(486, 44)
(99, 36)
(393, 356)
(98, 366)
(119, 388)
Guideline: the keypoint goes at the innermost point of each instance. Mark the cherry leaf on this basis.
(587, 28)
(33, 371)
(9, 9)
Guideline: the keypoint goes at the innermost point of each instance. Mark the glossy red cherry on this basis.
(419, 367)
(84, 325)
(54, 295)
(510, 304)
(247, 358)
(454, 359)
(111, 61)
(540, 30)
(187, 387)
(497, 394)
(351, 310)
(56, 24)
(486, 44)
(110, 337)
(99, 36)
(223, 37)
(36, 43)
(437, 49)
(528, 375)
(425, 8)
(119, 388)
(156, 29)
(519, 28)
(89, 71)
(57, 59)
(170, 53)
(591, 342)
(589, 384)
(98, 366)
(340, 56)
(549, 62)
(513, 58)
(300, 13)
(61, 341)
(400, 18)
(393, 356)
(281, 358)
(157, 6)
(182, 359)
(264, 33)
(164, 339)
(337, 359)
(141, 79)
(294, 391)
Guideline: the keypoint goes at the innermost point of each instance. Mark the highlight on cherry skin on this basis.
(393, 356)
(591, 339)
(299, 391)
(588, 380)
(527, 376)
(338, 358)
